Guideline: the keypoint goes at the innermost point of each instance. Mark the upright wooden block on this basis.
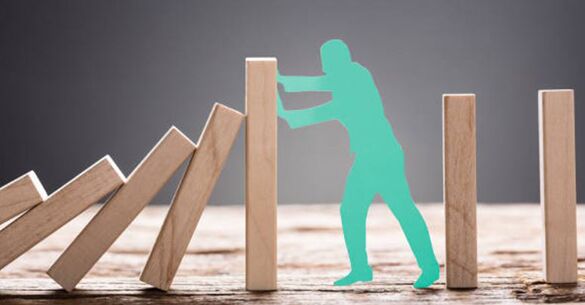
(117, 214)
(191, 197)
(63, 205)
(459, 189)
(558, 195)
(20, 195)
(261, 192)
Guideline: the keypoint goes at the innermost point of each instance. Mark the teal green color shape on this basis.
(378, 166)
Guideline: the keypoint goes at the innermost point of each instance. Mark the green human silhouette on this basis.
(378, 166)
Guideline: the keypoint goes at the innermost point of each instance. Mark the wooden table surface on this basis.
(311, 255)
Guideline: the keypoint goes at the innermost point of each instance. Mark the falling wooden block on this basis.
(191, 197)
(558, 195)
(63, 205)
(117, 214)
(459, 189)
(20, 195)
(261, 195)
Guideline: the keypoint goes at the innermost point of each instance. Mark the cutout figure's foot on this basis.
(364, 275)
(428, 277)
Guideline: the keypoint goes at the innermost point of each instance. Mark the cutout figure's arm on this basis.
(309, 116)
(303, 83)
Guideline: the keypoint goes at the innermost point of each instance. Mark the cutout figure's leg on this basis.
(354, 211)
(397, 197)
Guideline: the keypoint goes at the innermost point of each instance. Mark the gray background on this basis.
(81, 79)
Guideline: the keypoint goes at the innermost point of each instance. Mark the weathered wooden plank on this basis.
(312, 257)
(70, 200)
(261, 191)
(459, 189)
(20, 195)
(143, 184)
(558, 190)
(191, 197)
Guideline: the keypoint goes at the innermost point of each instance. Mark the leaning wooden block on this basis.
(20, 195)
(459, 183)
(117, 214)
(63, 205)
(261, 198)
(191, 197)
(558, 195)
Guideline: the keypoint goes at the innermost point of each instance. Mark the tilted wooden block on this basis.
(459, 189)
(20, 195)
(192, 196)
(117, 214)
(63, 205)
(261, 192)
(558, 195)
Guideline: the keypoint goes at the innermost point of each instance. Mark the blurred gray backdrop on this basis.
(81, 79)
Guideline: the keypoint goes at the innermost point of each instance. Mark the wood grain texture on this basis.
(70, 200)
(558, 193)
(459, 189)
(143, 184)
(312, 256)
(20, 195)
(261, 191)
(192, 196)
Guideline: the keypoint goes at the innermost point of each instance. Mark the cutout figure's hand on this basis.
(279, 107)
(281, 79)
(282, 113)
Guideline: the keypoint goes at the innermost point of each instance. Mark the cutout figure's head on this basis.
(335, 55)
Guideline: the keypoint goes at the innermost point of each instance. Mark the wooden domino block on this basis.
(261, 195)
(558, 195)
(191, 197)
(63, 205)
(20, 195)
(459, 189)
(117, 214)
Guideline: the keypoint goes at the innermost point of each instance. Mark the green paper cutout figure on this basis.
(378, 166)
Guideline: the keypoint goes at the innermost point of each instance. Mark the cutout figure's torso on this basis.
(358, 107)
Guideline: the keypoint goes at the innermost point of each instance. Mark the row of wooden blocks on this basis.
(48, 213)
(44, 214)
(558, 193)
